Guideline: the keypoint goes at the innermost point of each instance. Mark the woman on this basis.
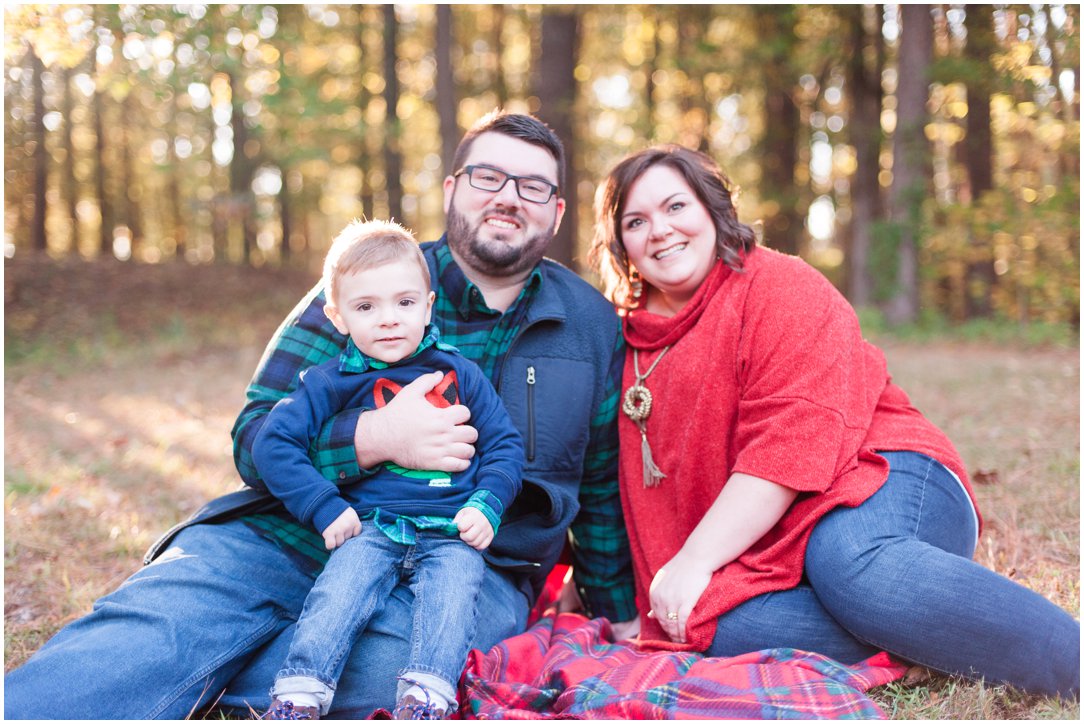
(779, 490)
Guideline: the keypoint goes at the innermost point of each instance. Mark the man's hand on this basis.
(411, 432)
(474, 528)
(569, 601)
(626, 629)
(343, 528)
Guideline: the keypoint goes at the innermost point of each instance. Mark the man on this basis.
(211, 616)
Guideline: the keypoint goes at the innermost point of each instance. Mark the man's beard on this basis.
(493, 257)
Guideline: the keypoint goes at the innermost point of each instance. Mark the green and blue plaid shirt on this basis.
(483, 335)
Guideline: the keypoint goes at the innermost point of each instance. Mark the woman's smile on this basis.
(670, 251)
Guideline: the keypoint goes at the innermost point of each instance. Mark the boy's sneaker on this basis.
(411, 707)
(286, 710)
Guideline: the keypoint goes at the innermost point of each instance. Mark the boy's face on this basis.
(384, 309)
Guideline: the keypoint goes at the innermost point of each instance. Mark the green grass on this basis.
(935, 327)
(22, 483)
(949, 698)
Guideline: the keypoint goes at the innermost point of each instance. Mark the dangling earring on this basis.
(636, 286)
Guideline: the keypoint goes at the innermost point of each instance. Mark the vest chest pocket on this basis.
(551, 403)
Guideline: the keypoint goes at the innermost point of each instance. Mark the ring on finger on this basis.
(671, 616)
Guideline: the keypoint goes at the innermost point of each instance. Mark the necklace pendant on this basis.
(637, 403)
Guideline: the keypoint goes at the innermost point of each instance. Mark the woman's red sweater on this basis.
(768, 375)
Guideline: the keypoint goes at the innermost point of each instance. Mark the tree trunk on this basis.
(647, 125)
(1070, 47)
(691, 22)
(365, 159)
(393, 160)
(555, 86)
(368, 201)
(910, 157)
(500, 85)
(105, 229)
(779, 145)
(864, 78)
(38, 240)
(241, 173)
(981, 45)
(446, 100)
(978, 145)
(132, 189)
(1068, 163)
(285, 216)
(180, 223)
(69, 180)
(220, 227)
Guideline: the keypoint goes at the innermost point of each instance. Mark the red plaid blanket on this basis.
(568, 667)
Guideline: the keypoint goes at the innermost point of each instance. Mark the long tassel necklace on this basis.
(637, 405)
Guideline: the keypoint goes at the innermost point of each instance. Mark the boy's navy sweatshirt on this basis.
(281, 450)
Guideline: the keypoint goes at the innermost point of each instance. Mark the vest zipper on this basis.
(530, 414)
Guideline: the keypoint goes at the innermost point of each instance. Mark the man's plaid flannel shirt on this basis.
(484, 336)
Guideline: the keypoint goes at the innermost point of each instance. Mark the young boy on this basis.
(427, 528)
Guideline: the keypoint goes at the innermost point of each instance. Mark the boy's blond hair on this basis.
(366, 245)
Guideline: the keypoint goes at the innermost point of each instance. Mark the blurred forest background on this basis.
(174, 174)
(925, 157)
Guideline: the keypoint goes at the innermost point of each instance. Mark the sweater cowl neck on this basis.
(648, 331)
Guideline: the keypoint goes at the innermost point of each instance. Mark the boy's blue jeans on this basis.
(896, 574)
(444, 574)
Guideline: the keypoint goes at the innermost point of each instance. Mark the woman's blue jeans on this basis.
(443, 573)
(896, 574)
(217, 610)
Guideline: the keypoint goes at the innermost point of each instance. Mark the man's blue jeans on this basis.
(444, 574)
(896, 574)
(217, 610)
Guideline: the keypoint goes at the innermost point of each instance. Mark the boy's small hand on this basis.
(474, 528)
(343, 528)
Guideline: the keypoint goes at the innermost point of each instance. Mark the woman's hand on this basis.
(746, 509)
(674, 592)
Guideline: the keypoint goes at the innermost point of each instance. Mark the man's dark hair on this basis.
(517, 125)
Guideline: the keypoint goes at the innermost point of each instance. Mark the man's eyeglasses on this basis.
(528, 188)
